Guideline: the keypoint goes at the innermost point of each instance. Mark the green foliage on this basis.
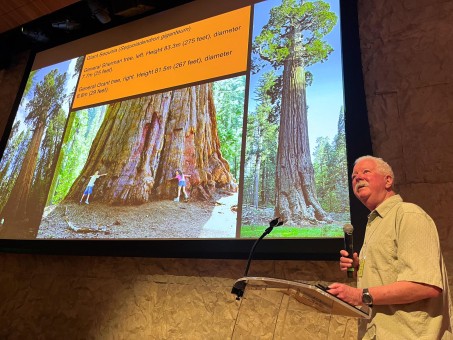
(12, 159)
(77, 70)
(30, 83)
(308, 231)
(330, 168)
(295, 31)
(293, 37)
(289, 42)
(229, 99)
(262, 132)
(48, 98)
(45, 114)
(78, 66)
(83, 130)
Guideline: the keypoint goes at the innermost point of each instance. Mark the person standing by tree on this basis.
(89, 189)
(181, 184)
(196, 144)
(400, 269)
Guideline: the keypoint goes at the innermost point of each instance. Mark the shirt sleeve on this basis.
(419, 256)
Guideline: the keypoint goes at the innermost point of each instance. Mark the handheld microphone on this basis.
(239, 288)
(349, 246)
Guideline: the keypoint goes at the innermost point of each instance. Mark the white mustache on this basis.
(360, 184)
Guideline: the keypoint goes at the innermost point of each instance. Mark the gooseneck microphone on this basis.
(239, 287)
(349, 246)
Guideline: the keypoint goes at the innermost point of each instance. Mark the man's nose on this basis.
(359, 175)
(357, 178)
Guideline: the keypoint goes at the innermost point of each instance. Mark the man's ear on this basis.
(388, 182)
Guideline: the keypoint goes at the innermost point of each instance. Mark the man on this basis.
(400, 270)
(89, 189)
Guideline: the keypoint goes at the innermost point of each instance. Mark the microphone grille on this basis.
(348, 228)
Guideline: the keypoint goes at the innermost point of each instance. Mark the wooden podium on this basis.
(281, 309)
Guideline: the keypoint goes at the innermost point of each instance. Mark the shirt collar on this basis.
(383, 208)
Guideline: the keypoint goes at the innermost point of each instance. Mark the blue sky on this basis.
(325, 95)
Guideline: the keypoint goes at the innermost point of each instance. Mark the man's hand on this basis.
(347, 293)
(346, 262)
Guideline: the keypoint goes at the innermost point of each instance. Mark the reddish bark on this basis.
(143, 141)
(296, 194)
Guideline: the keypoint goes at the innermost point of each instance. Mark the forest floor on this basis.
(159, 219)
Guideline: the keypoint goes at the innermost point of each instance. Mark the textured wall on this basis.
(408, 71)
(55, 297)
(407, 54)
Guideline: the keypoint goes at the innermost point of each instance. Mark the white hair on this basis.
(382, 166)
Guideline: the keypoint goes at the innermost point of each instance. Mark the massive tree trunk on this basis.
(143, 141)
(19, 208)
(296, 199)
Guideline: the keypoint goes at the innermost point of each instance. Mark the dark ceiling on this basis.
(39, 24)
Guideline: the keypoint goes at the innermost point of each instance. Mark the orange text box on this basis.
(206, 49)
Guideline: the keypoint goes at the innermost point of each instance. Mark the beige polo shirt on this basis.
(401, 244)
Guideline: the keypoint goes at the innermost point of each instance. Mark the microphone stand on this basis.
(239, 287)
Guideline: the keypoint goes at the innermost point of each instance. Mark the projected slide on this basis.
(202, 50)
(207, 130)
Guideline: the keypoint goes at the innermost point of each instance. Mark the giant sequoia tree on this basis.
(142, 141)
(290, 42)
(48, 98)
